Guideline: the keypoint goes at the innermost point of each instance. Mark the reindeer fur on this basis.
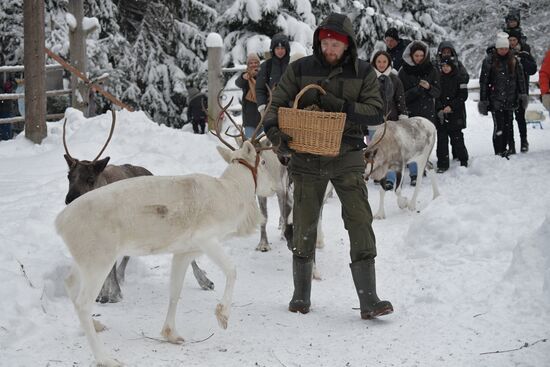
(407, 140)
(183, 215)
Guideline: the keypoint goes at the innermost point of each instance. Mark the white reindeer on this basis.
(397, 144)
(183, 215)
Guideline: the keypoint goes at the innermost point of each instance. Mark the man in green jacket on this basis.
(351, 87)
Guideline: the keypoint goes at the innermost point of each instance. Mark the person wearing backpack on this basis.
(271, 70)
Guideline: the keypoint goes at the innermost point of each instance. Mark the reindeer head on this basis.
(250, 152)
(84, 175)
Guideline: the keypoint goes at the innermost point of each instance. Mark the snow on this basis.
(71, 21)
(90, 24)
(214, 40)
(469, 273)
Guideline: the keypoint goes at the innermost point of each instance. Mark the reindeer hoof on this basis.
(109, 298)
(98, 326)
(171, 336)
(380, 216)
(402, 202)
(222, 316)
(263, 247)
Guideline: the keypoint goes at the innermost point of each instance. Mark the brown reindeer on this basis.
(85, 176)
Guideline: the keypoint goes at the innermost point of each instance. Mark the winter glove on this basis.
(483, 107)
(524, 100)
(280, 141)
(261, 108)
(402, 117)
(330, 103)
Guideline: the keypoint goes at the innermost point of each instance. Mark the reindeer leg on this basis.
(90, 284)
(110, 292)
(201, 277)
(421, 168)
(216, 253)
(281, 201)
(381, 214)
(433, 180)
(263, 245)
(180, 263)
(121, 270)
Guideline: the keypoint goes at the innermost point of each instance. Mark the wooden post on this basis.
(35, 71)
(77, 46)
(215, 46)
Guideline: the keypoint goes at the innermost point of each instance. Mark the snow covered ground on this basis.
(468, 274)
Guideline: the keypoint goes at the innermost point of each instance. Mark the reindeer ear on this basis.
(249, 150)
(225, 153)
(100, 165)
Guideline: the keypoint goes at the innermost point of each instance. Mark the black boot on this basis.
(365, 283)
(524, 145)
(302, 269)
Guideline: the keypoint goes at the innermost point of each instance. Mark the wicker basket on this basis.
(314, 132)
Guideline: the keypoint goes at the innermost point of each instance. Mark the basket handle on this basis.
(305, 89)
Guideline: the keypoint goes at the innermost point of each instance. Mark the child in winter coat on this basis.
(451, 115)
(393, 96)
(421, 84)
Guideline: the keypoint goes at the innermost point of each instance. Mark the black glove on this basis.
(330, 103)
(524, 100)
(483, 107)
(280, 141)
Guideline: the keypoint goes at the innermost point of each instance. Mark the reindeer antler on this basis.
(217, 126)
(113, 114)
(255, 139)
(104, 146)
(65, 143)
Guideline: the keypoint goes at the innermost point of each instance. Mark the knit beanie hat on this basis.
(329, 33)
(392, 32)
(502, 40)
(252, 57)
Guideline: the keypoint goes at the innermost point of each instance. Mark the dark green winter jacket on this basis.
(353, 80)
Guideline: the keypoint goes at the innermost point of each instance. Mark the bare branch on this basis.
(526, 345)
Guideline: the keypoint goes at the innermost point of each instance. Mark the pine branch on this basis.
(526, 345)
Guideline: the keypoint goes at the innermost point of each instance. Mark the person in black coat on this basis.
(451, 115)
(271, 70)
(196, 110)
(247, 82)
(395, 46)
(421, 84)
(501, 90)
(523, 53)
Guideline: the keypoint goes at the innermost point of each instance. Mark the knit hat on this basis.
(252, 57)
(502, 40)
(329, 33)
(392, 32)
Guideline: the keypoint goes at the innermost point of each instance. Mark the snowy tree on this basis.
(11, 23)
(473, 25)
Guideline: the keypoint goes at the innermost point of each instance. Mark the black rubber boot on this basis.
(524, 146)
(365, 283)
(302, 269)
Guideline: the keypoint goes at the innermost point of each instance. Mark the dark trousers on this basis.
(522, 127)
(309, 191)
(502, 122)
(198, 126)
(444, 134)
